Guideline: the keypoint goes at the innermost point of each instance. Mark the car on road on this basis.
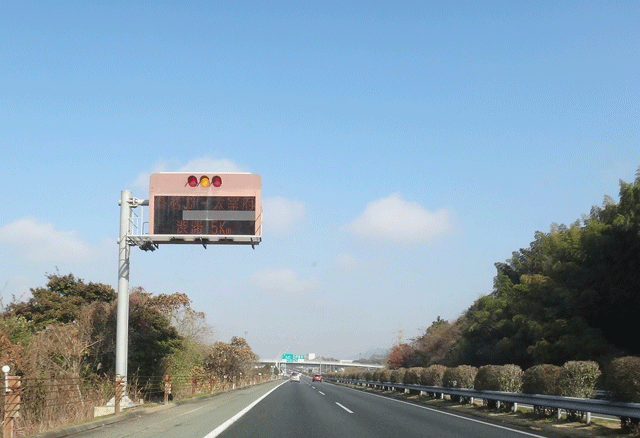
(295, 377)
(317, 378)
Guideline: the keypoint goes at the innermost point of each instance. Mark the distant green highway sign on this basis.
(290, 357)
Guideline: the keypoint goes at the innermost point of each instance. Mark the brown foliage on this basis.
(437, 341)
(60, 349)
(432, 375)
(233, 359)
(10, 353)
(399, 355)
(623, 379)
(541, 379)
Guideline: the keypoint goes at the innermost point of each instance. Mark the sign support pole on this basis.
(122, 326)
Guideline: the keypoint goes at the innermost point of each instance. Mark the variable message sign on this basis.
(205, 206)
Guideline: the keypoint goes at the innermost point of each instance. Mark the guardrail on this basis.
(589, 406)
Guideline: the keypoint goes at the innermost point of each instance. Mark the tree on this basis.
(242, 357)
(398, 356)
(60, 301)
(217, 360)
(151, 336)
(436, 345)
(568, 296)
(230, 360)
(177, 309)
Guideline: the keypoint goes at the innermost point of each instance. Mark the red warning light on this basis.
(204, 181)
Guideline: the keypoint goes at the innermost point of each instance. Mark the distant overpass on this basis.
(315, 363)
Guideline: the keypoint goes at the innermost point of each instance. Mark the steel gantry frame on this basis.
(147, 242)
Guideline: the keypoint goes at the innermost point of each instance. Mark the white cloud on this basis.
(395, 220)
(283, 282)
(281, 214)
(203, 164)
(41, 242)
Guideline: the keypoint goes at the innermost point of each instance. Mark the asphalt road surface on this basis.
(322, 410)
(284, 409)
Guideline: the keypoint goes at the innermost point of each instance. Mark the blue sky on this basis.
(404, 148)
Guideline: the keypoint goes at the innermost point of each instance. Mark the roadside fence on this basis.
(34, 405)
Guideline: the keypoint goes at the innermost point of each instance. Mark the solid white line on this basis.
(218, 430)
(351, 412)
(450, 414)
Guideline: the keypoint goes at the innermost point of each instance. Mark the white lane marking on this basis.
(351, 412)
(450, 414)
(321, 393)
(218, 430)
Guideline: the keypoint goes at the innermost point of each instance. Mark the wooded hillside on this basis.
(573, 294)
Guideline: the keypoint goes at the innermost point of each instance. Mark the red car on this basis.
(317, 378)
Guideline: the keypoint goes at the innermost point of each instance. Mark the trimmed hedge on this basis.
(397, 375)
(488, 378)
(623, 379)
(385, 375)
(432, 375)
(573, 379)
(505, 378)
(578, 379)
(461, 376)
(541, 379)
(412, 376)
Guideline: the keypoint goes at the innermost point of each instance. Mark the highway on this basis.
(322, 410)
(285, 409)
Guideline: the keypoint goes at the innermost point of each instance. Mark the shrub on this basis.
(385, 375)
(368, 376)
(511, 378)
(505, 378)
(412, 376)
(623, 379)
(460, 377)
(432, 375)
(376, 376)
(578, 379)
(397, 375)
(541, 379)
(488, 378)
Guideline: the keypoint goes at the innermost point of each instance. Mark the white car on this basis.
(295, 377)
